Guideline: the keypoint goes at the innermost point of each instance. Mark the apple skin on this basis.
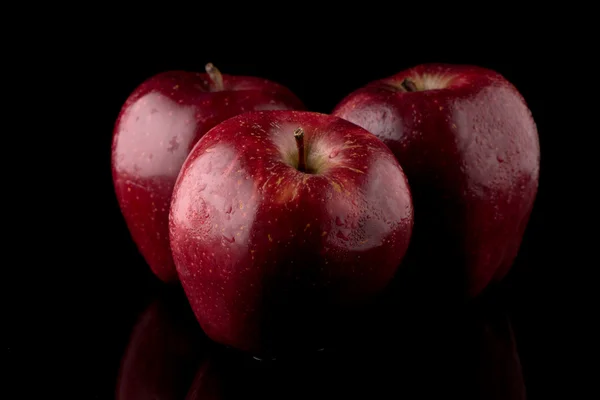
(469, 147)
(269, 256)
(157, 127)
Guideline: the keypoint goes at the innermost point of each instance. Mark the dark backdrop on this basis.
(73, 322)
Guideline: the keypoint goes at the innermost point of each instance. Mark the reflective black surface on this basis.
(468, 352)
(79, 288)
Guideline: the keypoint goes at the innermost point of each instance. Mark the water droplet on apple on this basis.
(342, 235)
(334, 153)
(230, 239)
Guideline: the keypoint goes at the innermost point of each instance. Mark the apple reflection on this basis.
(468, 354)
(165, 347)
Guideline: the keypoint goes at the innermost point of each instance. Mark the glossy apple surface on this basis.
(469, 147)
(155, 130)
(269, 256)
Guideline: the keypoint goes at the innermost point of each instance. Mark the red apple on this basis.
(282, 220)
(469, 146)
(157, 127)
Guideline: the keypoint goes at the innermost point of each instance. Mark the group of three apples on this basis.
(277, 220)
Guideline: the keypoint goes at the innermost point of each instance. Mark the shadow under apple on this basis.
(469, 353)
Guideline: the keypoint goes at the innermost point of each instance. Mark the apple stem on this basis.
(409, 85)
(299, 136)
(215, 76)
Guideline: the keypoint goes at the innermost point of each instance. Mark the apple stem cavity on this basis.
(215, 76)
(409, 85)
(299, 136)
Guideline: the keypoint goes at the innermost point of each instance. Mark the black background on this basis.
(72, 311)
